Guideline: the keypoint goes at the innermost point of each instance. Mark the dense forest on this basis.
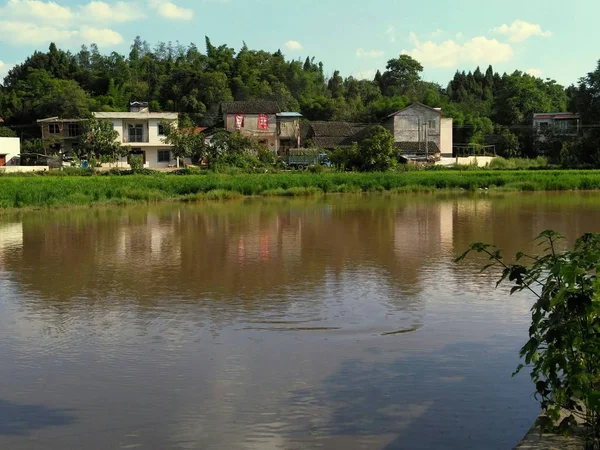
(485, 105)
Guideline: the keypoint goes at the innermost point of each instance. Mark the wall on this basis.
(446, 138)
(250, 128)
(11, 147)
(15, 169)
(481, 161)
(406, 125)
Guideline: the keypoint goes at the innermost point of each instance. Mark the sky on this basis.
(550, 39)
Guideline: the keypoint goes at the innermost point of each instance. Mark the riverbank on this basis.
(59, 191)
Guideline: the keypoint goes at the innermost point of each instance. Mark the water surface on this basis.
(338, 323)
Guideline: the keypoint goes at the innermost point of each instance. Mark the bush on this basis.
(563, 351)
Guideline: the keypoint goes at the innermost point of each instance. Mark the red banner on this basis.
(263, 121)
(239, 121)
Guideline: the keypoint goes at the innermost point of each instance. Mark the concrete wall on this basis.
(250, 128)
(481, 161)
(10, 147)
(15, 169)
(413, 125)
(446, 137)
(149, 127)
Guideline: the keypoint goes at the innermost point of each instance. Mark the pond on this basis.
(333, 323)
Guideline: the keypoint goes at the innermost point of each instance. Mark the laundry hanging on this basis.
(263, 121)
(239, 121)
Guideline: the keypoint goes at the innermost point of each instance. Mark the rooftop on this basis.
(257, 107)
(136, 115)
(289, 114)
(556, 115)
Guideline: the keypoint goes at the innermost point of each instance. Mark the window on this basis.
(543, 125)
(54, 128)
(432, 125)
(164, 156)
(136, 133)
(73, 129)
(161, 129)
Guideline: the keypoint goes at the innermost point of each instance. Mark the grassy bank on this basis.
(20, 192)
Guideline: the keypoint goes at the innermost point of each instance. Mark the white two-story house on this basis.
(143, 133)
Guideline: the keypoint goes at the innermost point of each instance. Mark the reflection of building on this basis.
(11, 237)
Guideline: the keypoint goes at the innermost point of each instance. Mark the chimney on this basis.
(140, 107)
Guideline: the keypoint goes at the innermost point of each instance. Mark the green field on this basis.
(56, 191)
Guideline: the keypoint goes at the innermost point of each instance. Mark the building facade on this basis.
(257, 120)
(560, 124)
(288, 131)
(142, 132)
(10, 149)
(420, 132)
(60, 135)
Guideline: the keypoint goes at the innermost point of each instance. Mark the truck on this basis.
(303, 157)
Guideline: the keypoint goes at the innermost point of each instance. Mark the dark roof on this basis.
(438, 110)
(258, 107)
(333, 134)
(138, 103)
(416, 148)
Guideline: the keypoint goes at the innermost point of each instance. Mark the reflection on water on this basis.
(340, 323)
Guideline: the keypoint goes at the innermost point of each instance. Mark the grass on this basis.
(44, 191)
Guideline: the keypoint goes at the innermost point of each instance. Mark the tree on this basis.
(185, 141)
(7, 132)
(401, 76)
(376, 151)
(100, 141)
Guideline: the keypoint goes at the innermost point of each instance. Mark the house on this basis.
(420, 132)
(142, 133)
(60, 135)
(288, 131)
(255, 119)
(561, 124)
(10, 149)
(330, 135)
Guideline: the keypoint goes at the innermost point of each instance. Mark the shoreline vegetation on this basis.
(61, 190)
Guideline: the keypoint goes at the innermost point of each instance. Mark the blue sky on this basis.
(550, 38)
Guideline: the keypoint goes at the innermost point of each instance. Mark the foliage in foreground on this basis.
(563, 350)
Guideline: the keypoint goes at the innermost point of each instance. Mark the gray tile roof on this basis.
(257, 107)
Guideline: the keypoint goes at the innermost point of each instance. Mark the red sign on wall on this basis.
(263, 121)
(239, 121)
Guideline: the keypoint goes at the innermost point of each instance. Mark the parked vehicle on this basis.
(302, 157)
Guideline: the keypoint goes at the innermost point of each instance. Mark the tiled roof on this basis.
(416, 148)
(331, 129)
(258, 107)
(333, 134)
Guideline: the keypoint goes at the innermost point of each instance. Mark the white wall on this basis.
(481, 161)
(11, 147)
(446, 138)
(15, 169)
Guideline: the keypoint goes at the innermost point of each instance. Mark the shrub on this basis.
(563, 350)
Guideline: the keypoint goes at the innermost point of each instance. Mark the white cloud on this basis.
(4, 69)
(391, 33)
(102, 12)
(25, 33)
(437, 33)
(449, 53)
(293, 45)
(365, 74)
(36, 22)
(101, 36)
(171, 11)
(459, 35)
(519, 31)
(534, 72)
(36, 10)
(369, 53)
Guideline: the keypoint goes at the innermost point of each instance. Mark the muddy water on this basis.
(338, 323)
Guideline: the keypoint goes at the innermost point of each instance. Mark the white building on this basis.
(142, 132)
(10, 149)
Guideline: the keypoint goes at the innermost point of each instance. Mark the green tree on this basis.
(185, 141)
(100, 141)
(402, 75)
(7, 132)
(376, 151)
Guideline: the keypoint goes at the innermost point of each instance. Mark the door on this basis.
(2, 160)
